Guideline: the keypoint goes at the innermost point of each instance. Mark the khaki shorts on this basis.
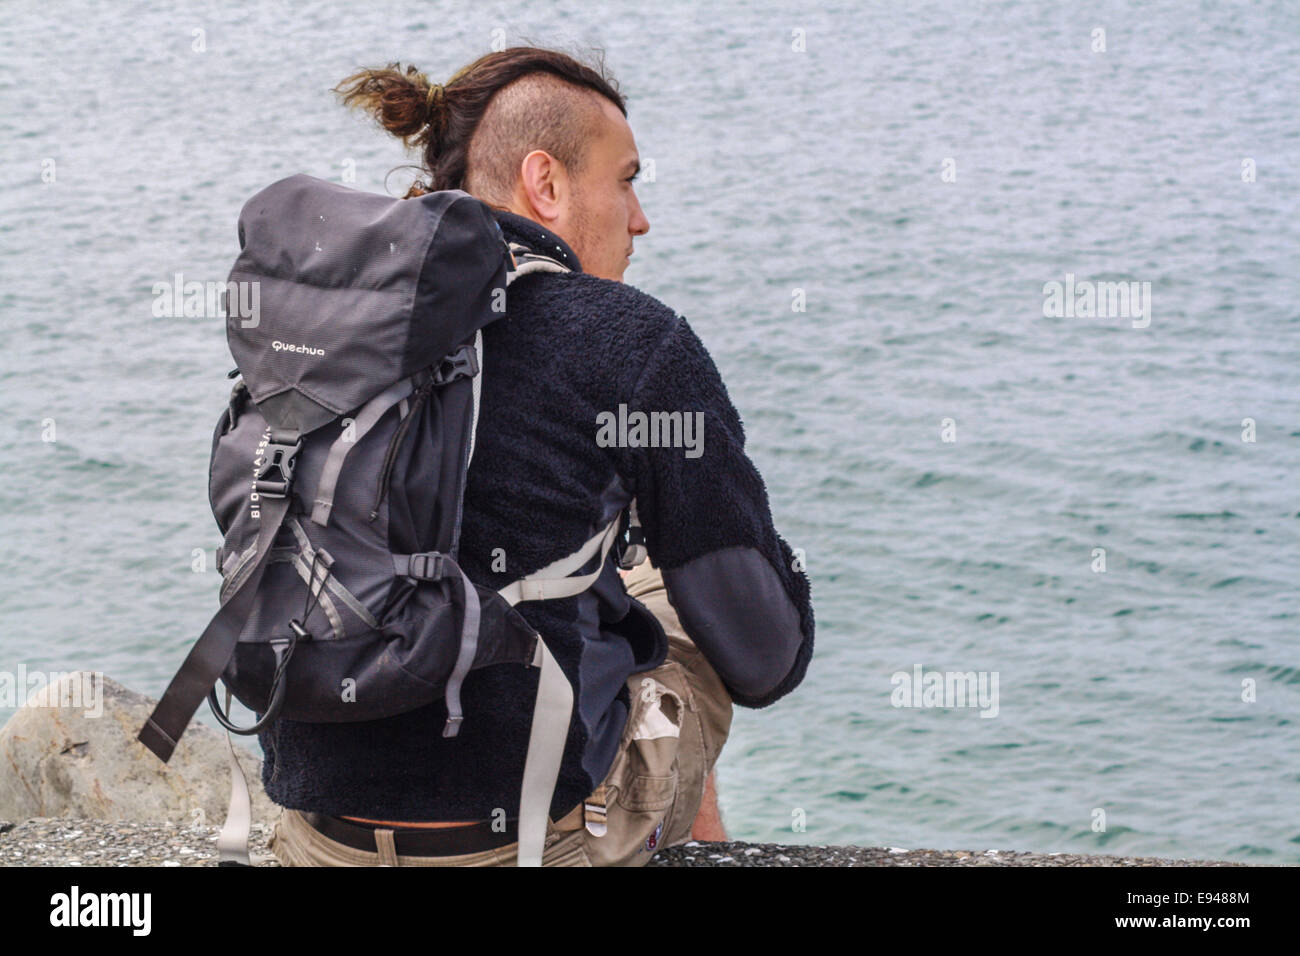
(679, 719)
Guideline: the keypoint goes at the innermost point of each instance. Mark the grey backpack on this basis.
(337, 477)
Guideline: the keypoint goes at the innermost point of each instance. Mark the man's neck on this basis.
(536, 237)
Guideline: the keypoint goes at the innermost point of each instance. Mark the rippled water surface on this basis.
(780, 177)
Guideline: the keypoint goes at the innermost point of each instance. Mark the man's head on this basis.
(528, 130)
(579, 185)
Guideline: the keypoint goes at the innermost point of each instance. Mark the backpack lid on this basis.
(355, 291)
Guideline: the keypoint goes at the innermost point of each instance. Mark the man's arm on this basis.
(708, 526)
(708, 822)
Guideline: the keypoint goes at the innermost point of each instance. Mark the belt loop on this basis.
(570, 821)
(593, 812)
(387, 849)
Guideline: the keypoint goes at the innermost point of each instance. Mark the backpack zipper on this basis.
(390, 456)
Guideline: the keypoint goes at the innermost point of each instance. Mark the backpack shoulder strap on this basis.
(553, 707)
(476, 389)
(554, 581)
(524, 261)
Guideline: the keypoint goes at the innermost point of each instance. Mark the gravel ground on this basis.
(63, 842)
(776, 854)
(48, 841)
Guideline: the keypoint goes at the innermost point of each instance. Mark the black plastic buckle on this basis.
(427, 566)
(631, 551)
(462, 363)
(280, 457)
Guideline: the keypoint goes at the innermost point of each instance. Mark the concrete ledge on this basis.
(67, 842)
(777, 854)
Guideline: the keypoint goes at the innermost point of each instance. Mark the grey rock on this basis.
(84, 761)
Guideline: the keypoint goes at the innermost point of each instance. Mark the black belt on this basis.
(417, 841)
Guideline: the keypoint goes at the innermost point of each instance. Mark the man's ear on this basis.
(544, 183)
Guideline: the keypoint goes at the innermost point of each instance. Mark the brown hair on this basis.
(549, 106)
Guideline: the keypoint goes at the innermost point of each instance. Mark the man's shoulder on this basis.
(609, 317)
(597, 296)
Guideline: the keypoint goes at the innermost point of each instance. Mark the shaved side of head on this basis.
(536, 111)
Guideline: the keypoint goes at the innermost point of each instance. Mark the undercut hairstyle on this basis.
(474, 132)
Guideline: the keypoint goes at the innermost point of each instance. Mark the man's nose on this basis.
(638, 225)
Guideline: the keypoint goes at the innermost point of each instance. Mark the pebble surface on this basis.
(779, 854)
(61, 842)
(49, 841)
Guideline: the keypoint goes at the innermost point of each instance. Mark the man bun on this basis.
(403, 102)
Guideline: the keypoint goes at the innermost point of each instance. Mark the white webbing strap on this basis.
(232, 841)
(553, 581)
(554, 706)
(527, 262)
(476, 387)
(546, 739)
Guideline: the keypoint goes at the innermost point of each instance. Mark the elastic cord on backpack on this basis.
(283, 649)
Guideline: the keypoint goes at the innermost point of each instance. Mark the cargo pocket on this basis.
(652, 749)
(642, 784)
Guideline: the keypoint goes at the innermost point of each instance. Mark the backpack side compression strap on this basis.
(366, 419)
(553, 708)
(551, 714)
(232, 841)
(210, 654)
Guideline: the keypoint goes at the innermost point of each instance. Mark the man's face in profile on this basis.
(602, 214)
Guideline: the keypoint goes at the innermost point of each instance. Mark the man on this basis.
(719, 614)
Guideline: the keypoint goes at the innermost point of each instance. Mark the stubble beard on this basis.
(585, 240)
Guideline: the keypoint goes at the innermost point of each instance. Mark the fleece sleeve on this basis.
(730, 576)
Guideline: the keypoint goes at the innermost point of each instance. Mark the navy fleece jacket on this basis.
(574, 346)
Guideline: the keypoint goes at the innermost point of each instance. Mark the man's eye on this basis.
(632, 178)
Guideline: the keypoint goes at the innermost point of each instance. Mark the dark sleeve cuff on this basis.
(733, 605)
